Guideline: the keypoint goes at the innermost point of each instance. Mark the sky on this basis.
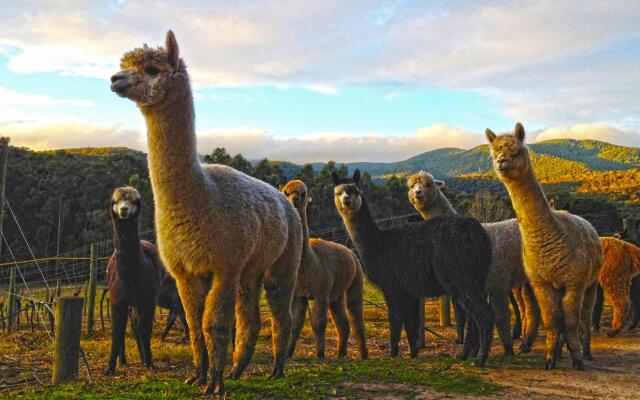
(327, 80)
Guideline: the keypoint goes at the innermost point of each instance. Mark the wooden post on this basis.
(93, 275)
(4, 155)
(445, 313)
(67, 338)
(11, 309)
(630, 227)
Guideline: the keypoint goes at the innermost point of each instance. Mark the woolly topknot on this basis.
(140, 56)
(421, 176)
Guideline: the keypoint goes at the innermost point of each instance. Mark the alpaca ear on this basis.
(356, 177)
(310, 198)
(519, 132)
(490, 135)
(173, 53)
(552, 203)
(335, 177)
(439, 184)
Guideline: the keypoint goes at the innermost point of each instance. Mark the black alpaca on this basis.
(444, 255)
(134, 275)
(170, 299)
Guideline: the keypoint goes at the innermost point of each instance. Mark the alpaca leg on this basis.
(461, 320)
(634, 293)
(356, 315)
(500, 305)
(341, 322)
(412, 313)
(247, 324)
(145, 328)
(318, 321)
(420, 342)
(185, 326)
(551, 310)
(518, 296)
(517, 326)
(134, 322)
(298, 314)
(395, 314)
(532, 317)
(192, 290)
(587, 311)
(597, 309)
(217, 319)
(621, 305)
(572, 310)
(119, 315)
(479, 313)
(471, 345)
(171, 319)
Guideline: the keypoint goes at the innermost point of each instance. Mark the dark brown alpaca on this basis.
(331, 275)
(134, 274)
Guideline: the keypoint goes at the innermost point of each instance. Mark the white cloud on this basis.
(10, 98)
(315, 147)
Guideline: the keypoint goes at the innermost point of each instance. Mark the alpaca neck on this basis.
(307, 253)
(362, 228)
(126, 244)
(530, 204)
(173, 158)
(437, 206)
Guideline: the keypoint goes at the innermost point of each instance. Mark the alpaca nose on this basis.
(503, 163)
(119, 82)
(419, 192)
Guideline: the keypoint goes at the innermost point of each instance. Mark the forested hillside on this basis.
(68, 191)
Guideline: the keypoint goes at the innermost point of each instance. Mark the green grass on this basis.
(308, 381)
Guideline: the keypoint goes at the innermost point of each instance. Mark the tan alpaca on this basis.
(561, 251)
(506, 272)
(222, 234)
(330, 275)
(621, 265)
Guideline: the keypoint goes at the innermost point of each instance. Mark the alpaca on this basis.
(446, 255)
(134, 273)
(331, 275)
(561, 252)
(507, 271)
(221, 233)
(620, 268)
(170, 299)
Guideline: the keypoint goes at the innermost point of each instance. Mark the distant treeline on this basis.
(68, 191)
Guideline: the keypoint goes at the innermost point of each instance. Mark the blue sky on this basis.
(317, 80)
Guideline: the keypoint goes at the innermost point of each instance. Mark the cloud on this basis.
(257, 144)
(10, 98)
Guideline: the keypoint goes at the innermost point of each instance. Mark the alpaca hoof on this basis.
(462, 355)
(577, 364)
(278, 372)
(235, 374)
(458, 341)
(195, 380)
(509, 352)
(110, 372)
(524, 348)
(549, 364)
(588, 356)
(320, 356)
(216, 388)
(612, 332)
(364, 356)
(480, 362)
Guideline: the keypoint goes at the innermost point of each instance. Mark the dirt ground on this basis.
(25, 361)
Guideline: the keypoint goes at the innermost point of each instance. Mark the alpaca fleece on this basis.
(222, 234)
(561, 252)
(331, 275)
(134, 275)
(507, 270)
(620, 268)
(445, 255)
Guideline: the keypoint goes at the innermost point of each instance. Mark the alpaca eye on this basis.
(151, 70)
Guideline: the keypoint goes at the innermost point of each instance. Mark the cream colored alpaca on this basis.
(561, 251)
(222, 234)
(330, 275)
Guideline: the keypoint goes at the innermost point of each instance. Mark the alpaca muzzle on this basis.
(120, 82)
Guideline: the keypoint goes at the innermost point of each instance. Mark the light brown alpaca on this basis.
(506, 272)
(621, 265)
(221, 233)
(330, 275)
(561, 252)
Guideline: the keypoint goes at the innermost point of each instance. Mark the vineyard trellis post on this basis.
(67, 338)
(93, 277)
(445, 311)
(12, 304)
(4, 155)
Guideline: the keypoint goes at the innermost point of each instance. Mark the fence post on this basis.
(93, 275)
(11, 308)
(445, 313)
(67, 338)
(4, 153)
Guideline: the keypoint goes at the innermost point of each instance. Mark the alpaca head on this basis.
(296, 192)
(125, 203)
(148, 75)
(510, 154)
(346, 193)
(423, 189)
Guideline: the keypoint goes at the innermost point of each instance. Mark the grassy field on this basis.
(25, 361)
